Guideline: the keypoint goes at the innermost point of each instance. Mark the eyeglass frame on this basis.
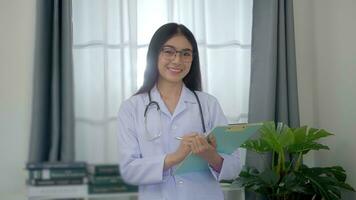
(175, 53)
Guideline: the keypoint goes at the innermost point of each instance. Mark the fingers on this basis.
(185, 143)
(194, 144)
(187, 140)
(199, 144)
(212, 141)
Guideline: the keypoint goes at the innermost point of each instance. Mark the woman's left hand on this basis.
(201, 147)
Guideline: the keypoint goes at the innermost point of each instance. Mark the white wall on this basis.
(326, 61)
(17, 25)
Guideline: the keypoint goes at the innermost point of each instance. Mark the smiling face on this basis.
(174, 66)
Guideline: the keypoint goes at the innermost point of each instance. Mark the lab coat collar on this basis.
(186, 96)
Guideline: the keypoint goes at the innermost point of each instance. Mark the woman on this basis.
(166, 120)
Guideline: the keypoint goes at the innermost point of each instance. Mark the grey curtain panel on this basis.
(273, 87)
(52, 129)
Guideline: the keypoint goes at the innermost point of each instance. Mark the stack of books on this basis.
(57, 179)
(105, 178)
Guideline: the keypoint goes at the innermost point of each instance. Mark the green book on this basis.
(105, 180)
(228, 139)
(103, 169)
(100, 189)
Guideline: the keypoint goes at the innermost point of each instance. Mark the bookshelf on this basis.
(229, 193)
(82, 181)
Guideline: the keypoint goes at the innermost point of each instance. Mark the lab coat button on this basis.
(180, 182)
(174, 127)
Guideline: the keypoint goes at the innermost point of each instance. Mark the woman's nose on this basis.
(177, 57)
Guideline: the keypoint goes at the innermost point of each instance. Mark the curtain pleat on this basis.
(52, 128)
(273, 83)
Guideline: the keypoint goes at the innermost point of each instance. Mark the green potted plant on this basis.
(290, 179)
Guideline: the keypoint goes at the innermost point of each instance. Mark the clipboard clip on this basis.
(240, 127)
(236, 127)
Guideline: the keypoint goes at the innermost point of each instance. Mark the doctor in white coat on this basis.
(166, 120)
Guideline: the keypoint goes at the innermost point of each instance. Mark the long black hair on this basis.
(193, 79)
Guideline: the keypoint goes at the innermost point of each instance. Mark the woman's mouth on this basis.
(175, 70)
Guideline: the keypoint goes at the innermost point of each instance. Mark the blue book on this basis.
(228, 139)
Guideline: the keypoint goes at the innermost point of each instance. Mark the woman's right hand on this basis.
(184, 148)
(183, 151)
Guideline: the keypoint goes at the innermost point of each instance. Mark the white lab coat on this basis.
(141, 161)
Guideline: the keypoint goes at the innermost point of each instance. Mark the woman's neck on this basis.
(170, 94)
(169, 90)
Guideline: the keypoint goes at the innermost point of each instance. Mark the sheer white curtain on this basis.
(110, 44)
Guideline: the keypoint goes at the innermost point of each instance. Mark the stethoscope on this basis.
(155, 104)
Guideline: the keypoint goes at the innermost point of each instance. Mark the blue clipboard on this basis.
(228, 139)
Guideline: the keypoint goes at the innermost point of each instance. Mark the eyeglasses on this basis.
(170, 53)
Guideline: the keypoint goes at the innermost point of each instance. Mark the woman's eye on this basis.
(169, 51)
(187, 53)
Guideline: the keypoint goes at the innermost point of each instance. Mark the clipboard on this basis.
(228, 139)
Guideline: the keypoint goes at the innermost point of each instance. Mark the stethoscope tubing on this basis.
(158, 108)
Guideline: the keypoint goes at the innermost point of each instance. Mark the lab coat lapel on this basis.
(157, 97)
(186, 96)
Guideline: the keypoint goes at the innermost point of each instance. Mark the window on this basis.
(110, 44)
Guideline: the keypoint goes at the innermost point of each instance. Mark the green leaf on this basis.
(315, 134)
(285, 180)
(259, 146)
(270, 136)
(305, 140)
(286, 137)
(269, 177)
(300, 134)
(250, 179)
(305, 147)
(291, 184)
(326, 181)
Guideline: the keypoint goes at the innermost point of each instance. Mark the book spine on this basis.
(72, 191)
(105, 180)
(56, 165)
(104, 170)
(111, 189)
(40, 182)
(57, 173)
